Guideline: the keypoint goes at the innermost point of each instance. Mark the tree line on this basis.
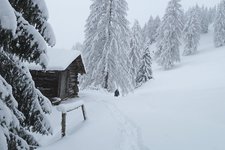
(119, 58)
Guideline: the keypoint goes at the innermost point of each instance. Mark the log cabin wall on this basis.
(62, 84)
(74, 68)
(46, 82)
(63, 81)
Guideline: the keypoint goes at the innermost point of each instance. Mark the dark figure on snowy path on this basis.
(117, 93)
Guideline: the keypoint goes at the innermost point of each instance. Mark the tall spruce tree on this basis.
(24, 32)
(169, 34)
(145, 70)
(106, 47)
(144, 32)
(157, 23)
(136, 45)
(147, 30)
(212, 14)
(205, 20)
(150, 30)
(219, 25)
(192, 30)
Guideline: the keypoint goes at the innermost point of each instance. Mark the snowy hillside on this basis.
(180, 109)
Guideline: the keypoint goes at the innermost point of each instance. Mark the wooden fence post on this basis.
(63, 124)
(84, 113)
(64, 112)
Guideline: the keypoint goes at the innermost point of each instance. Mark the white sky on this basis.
(68, 16)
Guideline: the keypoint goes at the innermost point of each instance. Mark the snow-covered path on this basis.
(130, 134)
(184, 108)
(107, 128)
(181, 109)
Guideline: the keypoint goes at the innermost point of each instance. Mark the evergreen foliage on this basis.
(78, 46)
(205, 20)
(24, 32)
(169, 35)
(211, 14)
(145, 71)
(150, 30)
(192, 30)
(157, 23)
(106, 47)
(219, 26)
(136, 45)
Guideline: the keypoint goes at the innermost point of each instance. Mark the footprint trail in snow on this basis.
(131, 138)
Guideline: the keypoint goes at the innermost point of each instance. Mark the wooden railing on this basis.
(65, 109)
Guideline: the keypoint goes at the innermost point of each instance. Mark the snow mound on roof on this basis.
(59, 59)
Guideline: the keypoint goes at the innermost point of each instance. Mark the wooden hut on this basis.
(60, 79)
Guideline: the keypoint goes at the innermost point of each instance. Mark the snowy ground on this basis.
(181, 109)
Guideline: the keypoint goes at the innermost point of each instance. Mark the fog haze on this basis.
(68, 17)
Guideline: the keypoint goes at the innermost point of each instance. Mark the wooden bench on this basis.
(65, 108)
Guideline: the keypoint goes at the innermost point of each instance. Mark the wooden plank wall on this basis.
(73, 70)
(46, 82)
(60, 84)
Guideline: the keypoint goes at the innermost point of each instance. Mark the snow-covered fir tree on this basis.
(211, 14)
(78, 46)
(192, 30)
(24, 32)
(150, 30)
(146, 31)
(169, 35)
(10, 118)
(136, 44)
(157, 23)
(205, 20)
(219, 25)
(145, 70)
(106, 47)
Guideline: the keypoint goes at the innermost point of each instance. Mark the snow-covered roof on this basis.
(59, 59)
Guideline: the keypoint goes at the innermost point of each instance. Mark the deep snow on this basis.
(180, 109)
